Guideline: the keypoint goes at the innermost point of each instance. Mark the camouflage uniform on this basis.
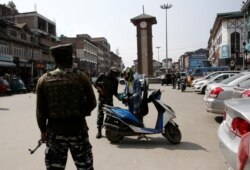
(64, 97)
(110, 87)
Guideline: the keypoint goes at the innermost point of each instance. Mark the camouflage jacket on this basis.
(109, 87)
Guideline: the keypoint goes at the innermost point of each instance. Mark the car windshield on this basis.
(209, 76)
(230, 79)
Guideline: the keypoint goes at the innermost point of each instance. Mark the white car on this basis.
(209, 76)
(234, 134)
(201, 86)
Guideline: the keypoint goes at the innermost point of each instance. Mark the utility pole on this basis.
(166, 7)
(158, 58)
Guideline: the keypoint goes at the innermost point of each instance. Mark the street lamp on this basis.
(245, 56)
(158, 57)
(166, 7)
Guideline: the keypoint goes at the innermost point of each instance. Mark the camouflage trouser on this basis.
(57, 149)
(100, 115)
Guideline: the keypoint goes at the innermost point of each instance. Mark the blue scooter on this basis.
(121, 122)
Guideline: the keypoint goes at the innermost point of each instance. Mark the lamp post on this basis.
(166, 7)
(32, 57)
(158, 58)
(245, 56)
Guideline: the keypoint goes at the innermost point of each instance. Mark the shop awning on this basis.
(24, 64)
(7, 64)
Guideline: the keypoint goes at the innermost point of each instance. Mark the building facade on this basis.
(85, 52)
(104, 57)
(26, 38)
(44, 30)
(226, 39)
(18, 49)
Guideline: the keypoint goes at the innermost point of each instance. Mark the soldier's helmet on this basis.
(114, 71)
(62, 54)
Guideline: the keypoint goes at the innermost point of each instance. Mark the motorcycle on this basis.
(183, 85)
(121, 122)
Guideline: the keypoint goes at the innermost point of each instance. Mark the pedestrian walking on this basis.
(64, 98)
(173, 78)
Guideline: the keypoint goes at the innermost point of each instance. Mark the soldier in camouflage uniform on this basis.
(106, 85)
(64, 97)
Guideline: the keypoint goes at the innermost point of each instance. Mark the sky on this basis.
(188, 22)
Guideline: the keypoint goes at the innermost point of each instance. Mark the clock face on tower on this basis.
(143, 24)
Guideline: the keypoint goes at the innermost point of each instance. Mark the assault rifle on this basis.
(38, 145)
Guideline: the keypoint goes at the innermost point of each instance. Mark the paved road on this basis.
(197, 151)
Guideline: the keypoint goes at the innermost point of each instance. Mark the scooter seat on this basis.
(127, 116)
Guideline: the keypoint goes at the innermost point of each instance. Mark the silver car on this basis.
(242, 90)
(216, 94)
(234, 134)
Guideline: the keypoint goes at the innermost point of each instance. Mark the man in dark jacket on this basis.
(106, 85)
(64, 97)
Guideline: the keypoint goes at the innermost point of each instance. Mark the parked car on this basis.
(166, 79)
(243, 161)
(201, 86)
(210, 75)
(233, 134)
(4, 87)
(242, 90)
(183, 75)
(245, 93)
(217, 93)
(17, 85)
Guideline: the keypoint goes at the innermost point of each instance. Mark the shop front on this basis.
(7, 65)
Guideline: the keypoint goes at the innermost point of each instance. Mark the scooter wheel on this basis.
(172, 133)
(113, 137)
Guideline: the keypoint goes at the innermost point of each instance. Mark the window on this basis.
(235, 42)
(23, 36)
(13, 33)
(4, 49)
(19, 52)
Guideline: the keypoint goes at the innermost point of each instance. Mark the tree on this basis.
(12, 6)
(63, 36)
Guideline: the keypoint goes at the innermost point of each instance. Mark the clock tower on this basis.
(143, 25)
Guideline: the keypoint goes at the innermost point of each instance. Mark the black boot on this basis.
(99, 133)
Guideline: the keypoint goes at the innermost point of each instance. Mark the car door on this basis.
(237, 91)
